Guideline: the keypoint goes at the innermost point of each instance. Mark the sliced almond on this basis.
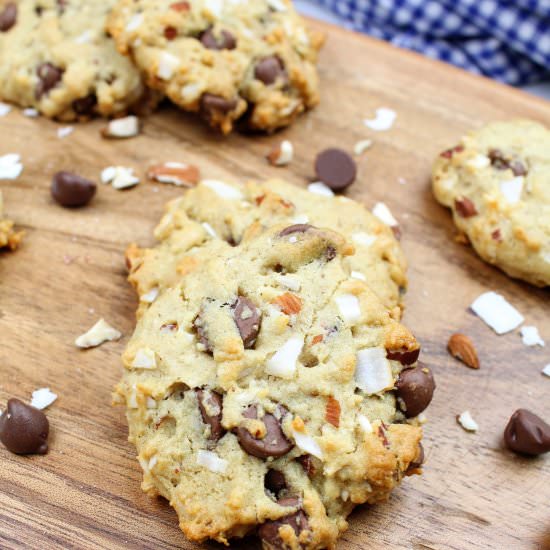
(317, 339)
(177, 173)
(289, 303)
(282, 154)
(121, 128)
(461, 347)
(332, 412)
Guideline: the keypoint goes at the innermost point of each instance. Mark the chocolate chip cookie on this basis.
(251, 60)
(496, 181)
(218, 211)
(56, 57)
(270, 392)
(9, 238)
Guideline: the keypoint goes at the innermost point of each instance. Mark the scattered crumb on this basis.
(361, 146)
(531, 337)
(119, 177)
(32, 113)
(65, 131)
(125, 127)
(384, 120)
(10, 166)
(99, 333)
(42, 398)
(383, 213)
(546, 370)
(4, 108)
(177, 173)
(401, 181)
(467, 422)
(282, 154)
(495, 311)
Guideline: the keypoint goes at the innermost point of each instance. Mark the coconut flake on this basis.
(223, 189)
(361, 146)
(349, 308)
(365, 424)
(64, 131)
(209, 229)
(152, 462)
(384, 120)
(289, 282)
(512, 189)
(319, 188)
(383, 213)
(151, 403)
(531, 337)
(307, 444)
(373, 372)
(479, 161)
(30, 112)
(277, 5)
(151, 296)
(283, 362)
(10, 166)
(145, 358)
(546, 370)
(496, 312)
(119, 177)
(358, 275)
(211, 461)
(134, 22)
(122, 127)
(42, 398)
(467, 422)
(84, 38)
(191, 91)
(99, 333)
(362, 238)
(167, 65)
(282, 154)
(4, 108)
(301, 218)
(215, 7)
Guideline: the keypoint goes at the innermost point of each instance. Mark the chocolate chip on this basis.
(501, 162)
(72, 190)
(335, 168)
(211, 408)
(450, 152)
(269, 69)
(23, 429)
(527, 434)
(415, 389)
(269, 531)
(170, 33)
(202, 335)
(274, 443)
(496, 235)
(330, 253)
(211, 104)
(49, 77)
(248, 319)
(296, 228)
(275, 482)
(405, 357)
(418, 460)
(85, 105)
(306, 461)
(8, 17)
(465, 207)
(224, 40)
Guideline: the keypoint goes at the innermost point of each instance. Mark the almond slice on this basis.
(289, 303)
(282, 154)
(177, 173)
(461, 347)
(332, 412)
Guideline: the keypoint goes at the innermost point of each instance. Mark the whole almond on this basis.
(461, 347)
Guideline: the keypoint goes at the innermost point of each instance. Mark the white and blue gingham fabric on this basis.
(508, 40)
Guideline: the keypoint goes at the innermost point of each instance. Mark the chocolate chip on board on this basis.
(24, 429)
(211, 408)
(71, 190)
(335, 168)
(248, 319)
(8, 17)
(415, 389)
(269, 531)
(269, 69)
(274, 443)
(527, 433)
(223, 40)
(49, 77)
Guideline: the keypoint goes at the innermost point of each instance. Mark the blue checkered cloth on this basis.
(508, 40)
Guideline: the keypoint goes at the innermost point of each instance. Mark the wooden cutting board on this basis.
(85, 493)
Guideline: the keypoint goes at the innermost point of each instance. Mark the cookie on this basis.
(56, 57)
(252, 60)
(259, 409)
(9, 238)
(496, 181)
(215, 210)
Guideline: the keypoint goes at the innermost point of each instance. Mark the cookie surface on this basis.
(218, 211)
(56, 57)
(9, 238)
(259, 409)
(497, 184)
(225, 60)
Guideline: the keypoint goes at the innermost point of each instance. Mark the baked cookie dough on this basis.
(252, 60)
(496, 181)
(56, 57)
(225, 213)
(255, 408)
(9, 238)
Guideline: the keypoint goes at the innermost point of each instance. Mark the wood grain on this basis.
(70, 271)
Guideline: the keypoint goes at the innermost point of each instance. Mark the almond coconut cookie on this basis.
(259, 409)
(9, 238)
(215, 210)
(496, 182)
(55, 57)
(226, 60)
